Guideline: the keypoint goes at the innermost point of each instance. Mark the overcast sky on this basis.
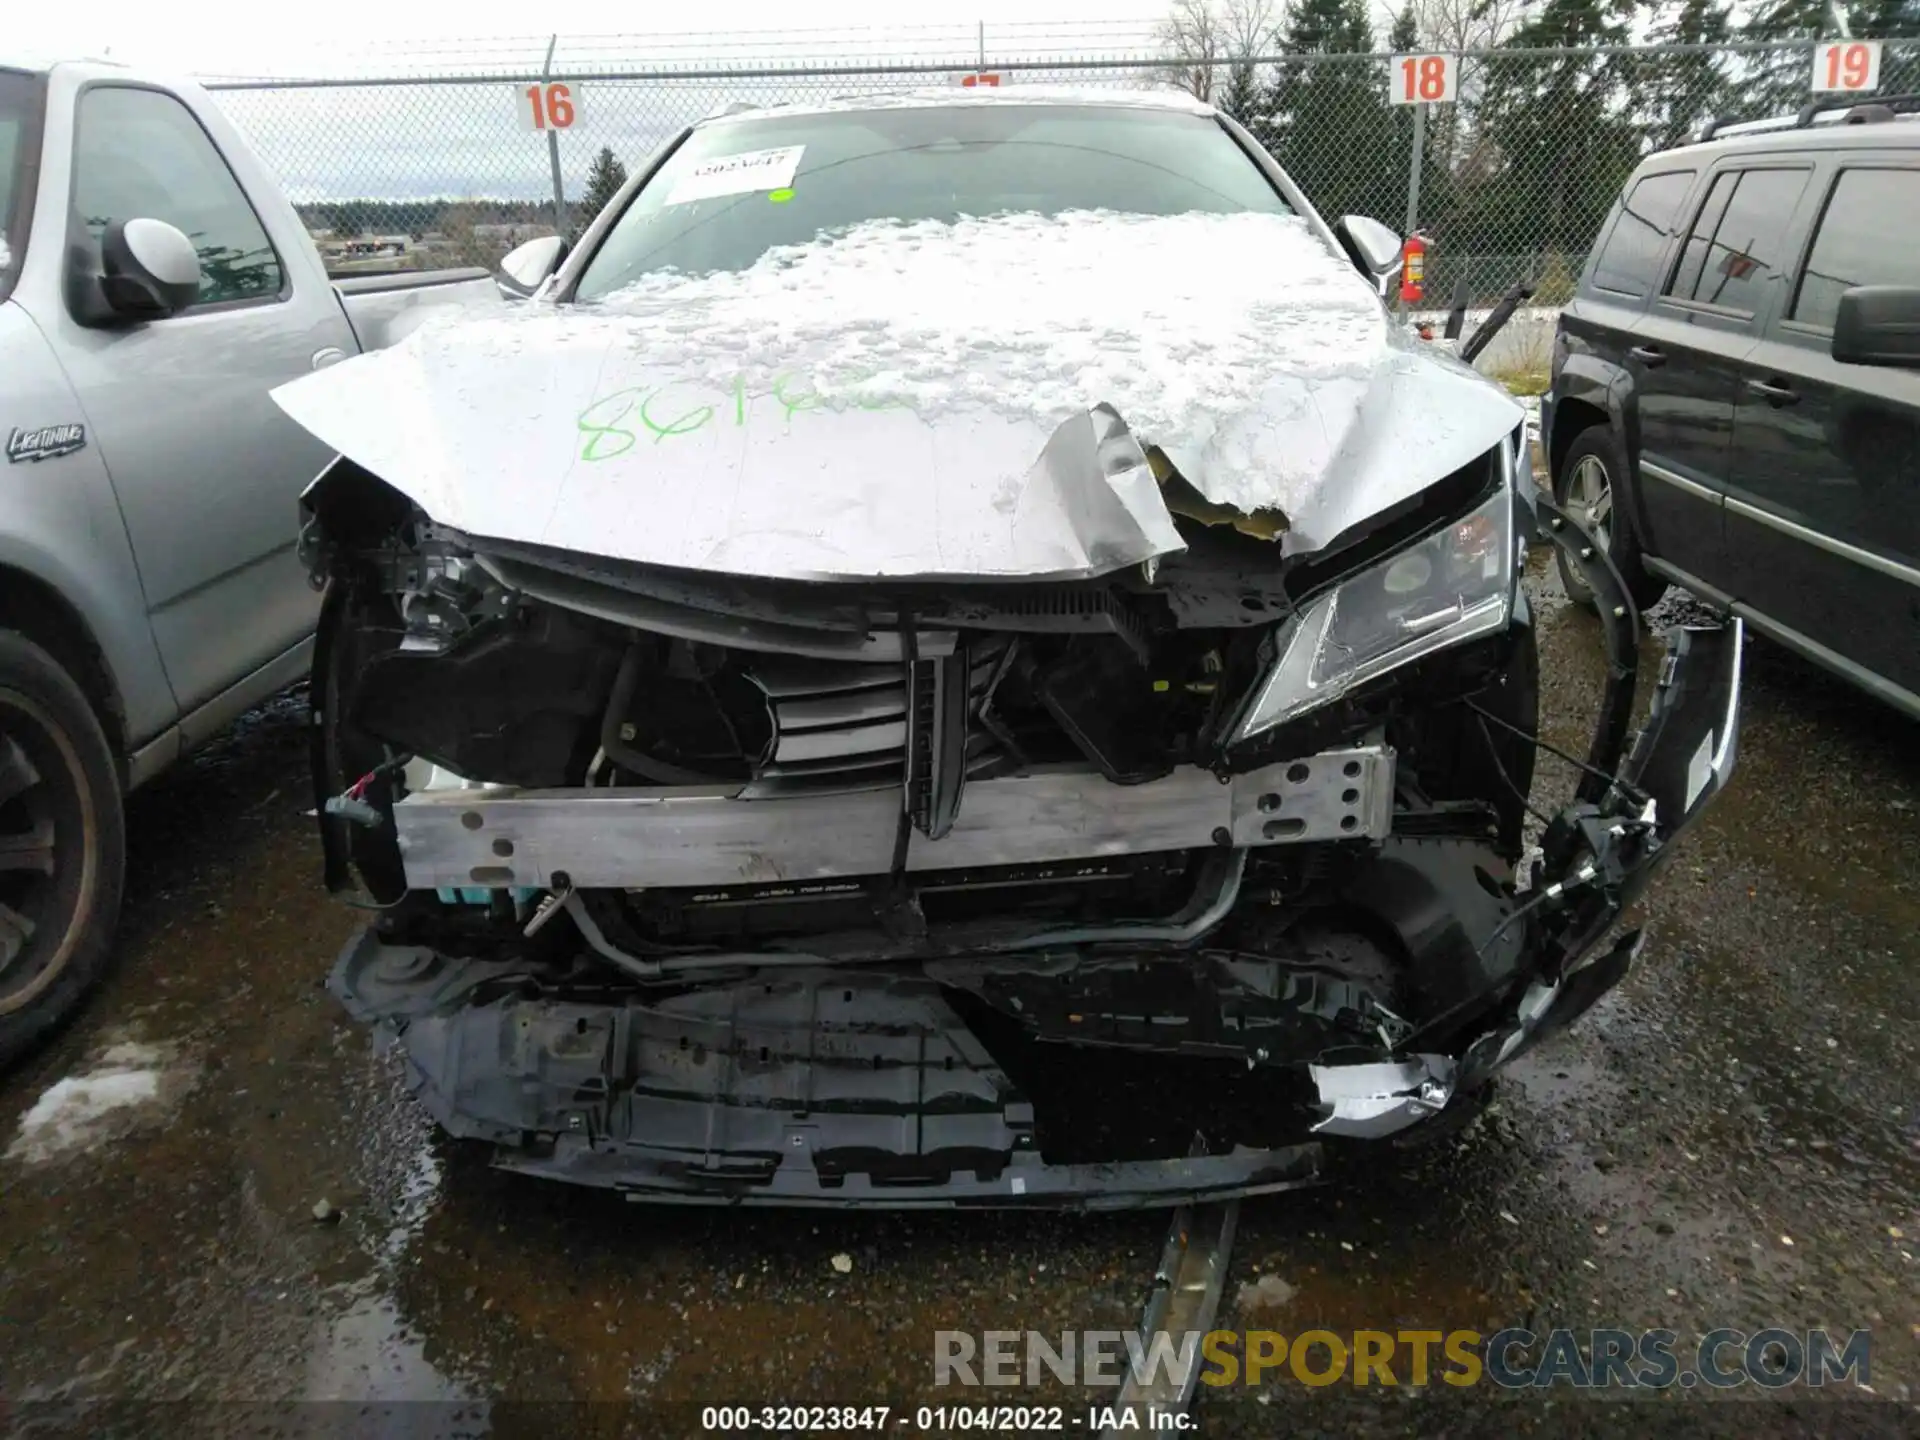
(359, 38)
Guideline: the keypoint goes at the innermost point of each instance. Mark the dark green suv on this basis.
(1736, 385)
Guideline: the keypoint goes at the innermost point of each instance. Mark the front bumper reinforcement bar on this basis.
(702, 836)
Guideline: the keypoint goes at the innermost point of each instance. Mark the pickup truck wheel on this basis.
(62, 846)
(1588, 488)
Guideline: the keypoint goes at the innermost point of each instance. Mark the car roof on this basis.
(35, 62)
(1829, 126)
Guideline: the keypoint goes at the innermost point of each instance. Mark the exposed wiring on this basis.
(1506, 779)
(1552, 749)
(1514, 917)
(372, 904)
(389, 766)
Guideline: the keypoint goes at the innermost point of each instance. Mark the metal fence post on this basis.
(1413, 169)
(553, 152)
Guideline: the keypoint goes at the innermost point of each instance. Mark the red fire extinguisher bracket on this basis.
(1413, 269)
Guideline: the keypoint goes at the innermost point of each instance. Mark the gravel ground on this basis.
(1731, 1139)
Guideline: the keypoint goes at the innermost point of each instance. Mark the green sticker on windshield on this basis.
(779, 197)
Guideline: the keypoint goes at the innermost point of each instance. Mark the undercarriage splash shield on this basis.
(813, 1087)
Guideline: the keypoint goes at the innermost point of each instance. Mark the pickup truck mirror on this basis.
(1878, 325)
(148, 271)
(526, 267)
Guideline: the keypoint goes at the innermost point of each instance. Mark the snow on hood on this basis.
(922, 399)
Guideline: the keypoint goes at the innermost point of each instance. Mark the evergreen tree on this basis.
(1557, 136)
(603, 183)
(1405, 34)
(1240, 96)
(1679, 93)
(1328, 121)
(1777, 82)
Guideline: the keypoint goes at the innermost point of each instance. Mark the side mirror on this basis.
(1373, 248)
(525, 268)
(148, 271)
(1878, 325)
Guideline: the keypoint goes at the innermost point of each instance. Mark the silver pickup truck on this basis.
(155, 284)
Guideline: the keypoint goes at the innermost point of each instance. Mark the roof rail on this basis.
(1867, 109)
(1865, 103)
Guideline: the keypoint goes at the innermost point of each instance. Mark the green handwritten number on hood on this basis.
(602, 419)
(605, 424)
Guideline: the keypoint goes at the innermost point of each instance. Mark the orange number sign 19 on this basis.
(547, 107)
(1422, 79)
(1847, 65)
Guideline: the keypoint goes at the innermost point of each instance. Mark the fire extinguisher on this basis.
(1413, 269)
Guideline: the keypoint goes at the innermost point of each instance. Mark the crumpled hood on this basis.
(923, 400)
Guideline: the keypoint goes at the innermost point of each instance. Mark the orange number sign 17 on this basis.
(1422, 79)
(548, 106)
(1847, 65)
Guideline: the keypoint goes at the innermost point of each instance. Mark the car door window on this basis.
(1693, 255)
(1735, 245)
(1859, 241)
(1628, 262)
(141, 153)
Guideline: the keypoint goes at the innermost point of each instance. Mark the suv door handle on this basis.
(1649, 356)
(1774, 392)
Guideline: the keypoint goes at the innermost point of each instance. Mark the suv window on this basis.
(1627, 262)
(1858, 244)
(142, 153)
(1734, 248)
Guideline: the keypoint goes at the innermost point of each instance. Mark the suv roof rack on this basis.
(1864, 110)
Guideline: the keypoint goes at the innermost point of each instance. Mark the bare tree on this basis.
(1456, 25)
(1210, 45)
(1191, 38)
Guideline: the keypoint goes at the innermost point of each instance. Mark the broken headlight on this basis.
(1452, 586)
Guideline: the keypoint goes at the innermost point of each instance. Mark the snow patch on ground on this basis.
(127, 1085)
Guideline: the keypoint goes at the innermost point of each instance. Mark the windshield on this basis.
(737, 188)
(19, 108)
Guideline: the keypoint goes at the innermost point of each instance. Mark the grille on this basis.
(854, 725)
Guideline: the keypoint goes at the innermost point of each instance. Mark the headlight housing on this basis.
(1452, 586)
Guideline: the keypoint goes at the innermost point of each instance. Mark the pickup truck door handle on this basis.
(332, 355)
(1775, 392)
(1649, 356)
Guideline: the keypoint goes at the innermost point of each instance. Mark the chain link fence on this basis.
(1514, 176)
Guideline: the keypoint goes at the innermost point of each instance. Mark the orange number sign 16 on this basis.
(547, 107)
(1422, 79)
(1847, 65)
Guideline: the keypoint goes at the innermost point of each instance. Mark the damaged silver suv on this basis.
(953, 653)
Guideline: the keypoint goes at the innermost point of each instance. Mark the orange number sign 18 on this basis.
(1847, 65)
(1422, 79)
(547, 107)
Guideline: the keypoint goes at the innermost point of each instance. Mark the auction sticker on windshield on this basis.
(740, 174)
